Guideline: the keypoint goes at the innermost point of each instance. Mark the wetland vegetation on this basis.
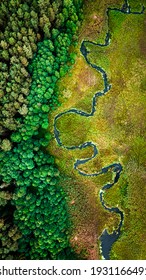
(48, 210)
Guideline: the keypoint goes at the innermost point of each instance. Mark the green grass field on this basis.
(117, 128)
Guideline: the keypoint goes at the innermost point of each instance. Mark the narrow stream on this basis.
(106, 239)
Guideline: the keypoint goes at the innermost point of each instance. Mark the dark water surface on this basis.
(106, 239)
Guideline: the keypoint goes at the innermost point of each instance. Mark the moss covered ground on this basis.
(117, 128)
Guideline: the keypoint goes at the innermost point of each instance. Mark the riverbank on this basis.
(112, 128)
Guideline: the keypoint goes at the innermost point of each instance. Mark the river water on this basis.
(106, 239)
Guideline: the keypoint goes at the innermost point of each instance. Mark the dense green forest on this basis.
(48, 210)
(35, 40)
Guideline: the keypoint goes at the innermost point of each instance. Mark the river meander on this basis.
(106, 239)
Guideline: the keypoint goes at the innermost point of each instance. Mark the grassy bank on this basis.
(117, 128)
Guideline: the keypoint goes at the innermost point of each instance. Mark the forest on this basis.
(35, 40)
(48, 211)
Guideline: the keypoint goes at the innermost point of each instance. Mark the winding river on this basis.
(106, 239)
